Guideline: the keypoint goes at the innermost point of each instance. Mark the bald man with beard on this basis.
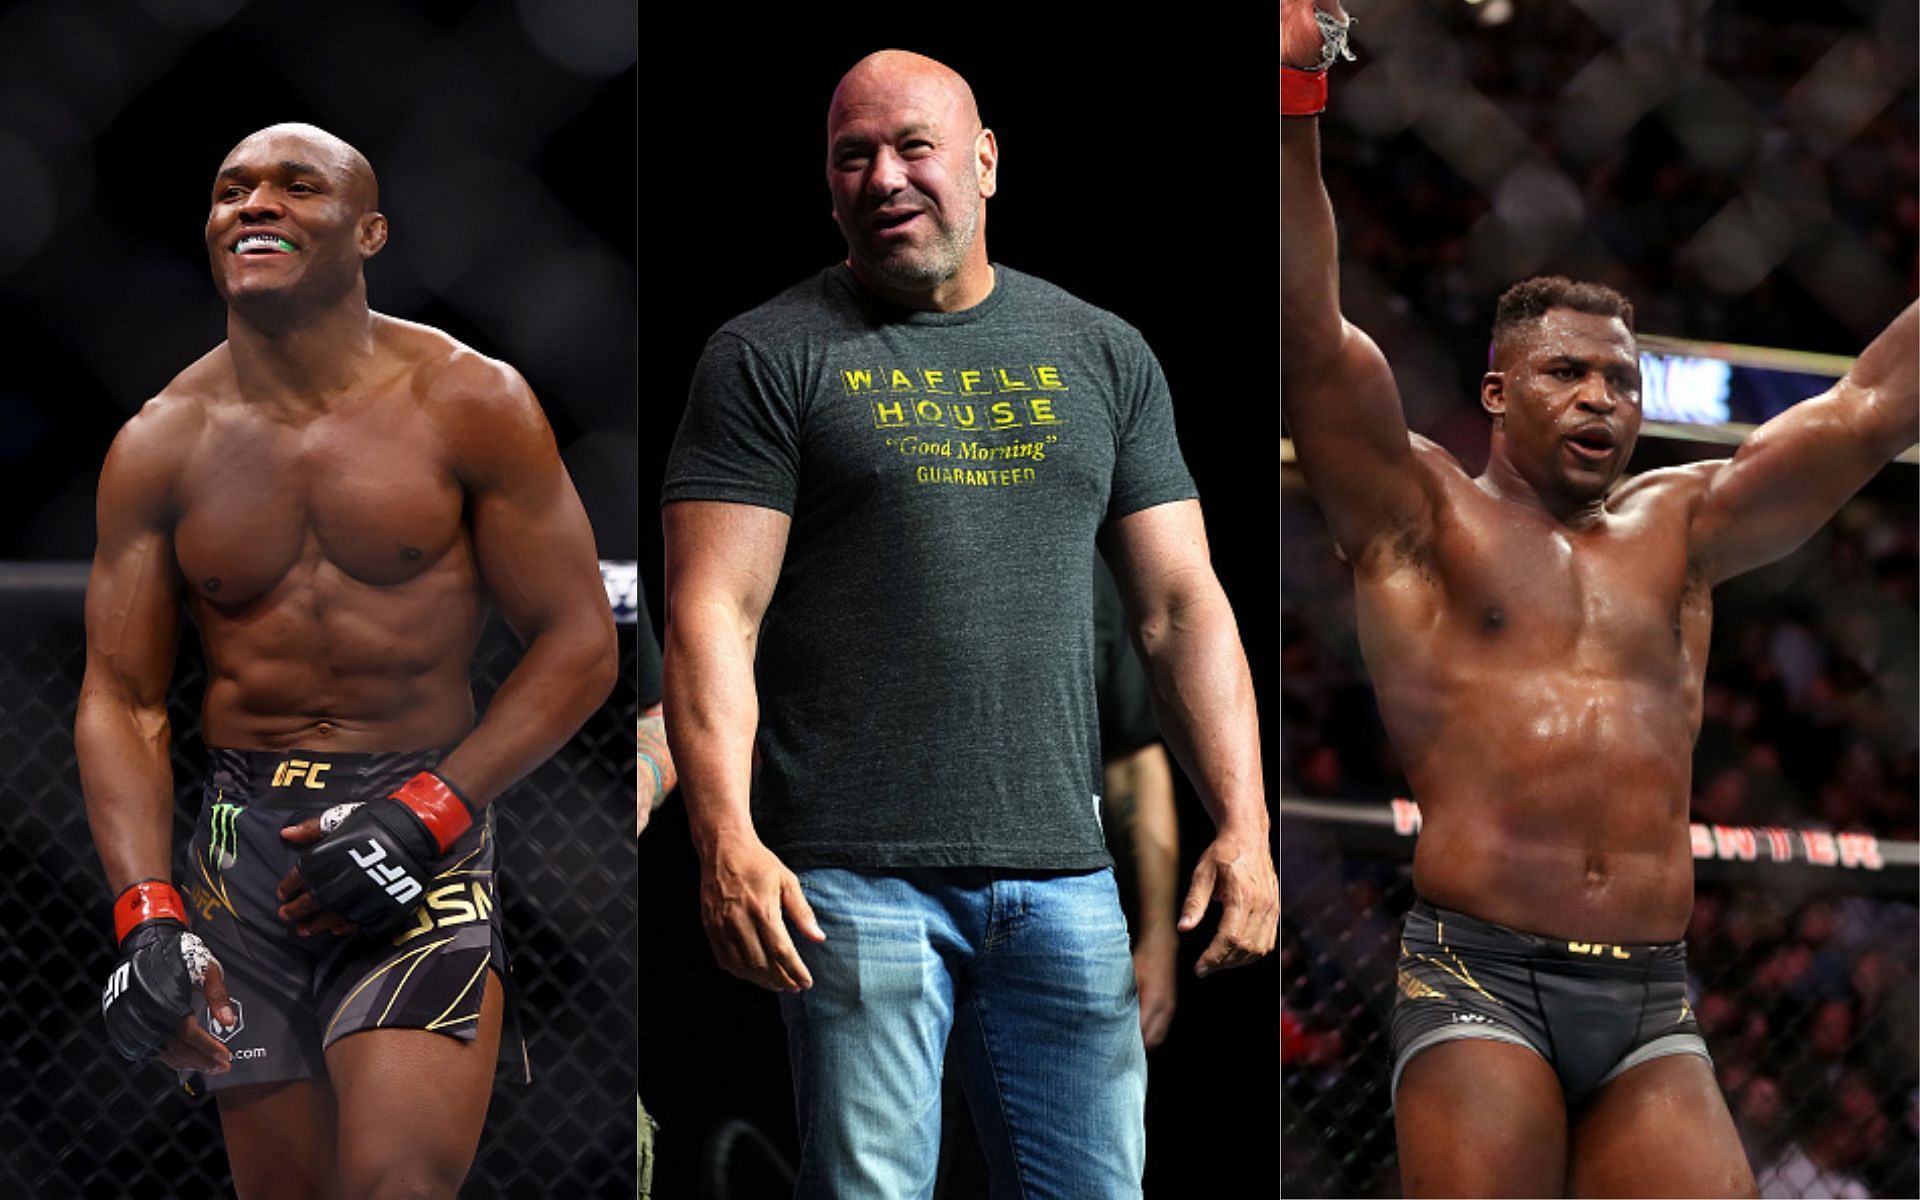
(337, 498)
(878, 515)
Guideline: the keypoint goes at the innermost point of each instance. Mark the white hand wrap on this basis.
(330, 819)
(198, 958)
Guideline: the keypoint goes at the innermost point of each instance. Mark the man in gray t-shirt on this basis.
(878, 513)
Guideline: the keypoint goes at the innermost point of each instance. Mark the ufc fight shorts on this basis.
(1590, 1009)
(294, 995)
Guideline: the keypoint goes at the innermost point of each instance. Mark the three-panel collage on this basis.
(570, 626)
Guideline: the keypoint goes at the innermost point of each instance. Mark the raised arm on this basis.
(722, 562)
(537, 560)
(1794, 473)
(1203, 697)
(1341, 405)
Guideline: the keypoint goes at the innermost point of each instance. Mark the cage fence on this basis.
(80, 1122)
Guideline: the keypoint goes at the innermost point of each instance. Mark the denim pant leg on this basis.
(867, 1039)
(1048, 1030)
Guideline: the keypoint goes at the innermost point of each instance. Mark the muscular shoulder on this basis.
(461, 388)
(154, 445)
(483, 407)
(1675, 489)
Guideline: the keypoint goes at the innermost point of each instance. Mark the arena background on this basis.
(1135, 172)
(1745, 172)
(503, 134)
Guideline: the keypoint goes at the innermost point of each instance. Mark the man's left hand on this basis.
(1237, 871)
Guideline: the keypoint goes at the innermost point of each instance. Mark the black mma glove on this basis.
(374, 865)
(151, 987)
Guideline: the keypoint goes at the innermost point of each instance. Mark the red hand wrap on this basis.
(148, 900)
(1302, 93)
(434, 801)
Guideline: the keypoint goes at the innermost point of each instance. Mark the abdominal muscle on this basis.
(326, 662)
(1557, 804)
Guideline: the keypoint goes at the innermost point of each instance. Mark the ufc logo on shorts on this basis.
(394, 881)
(116, 983)
(299, 768)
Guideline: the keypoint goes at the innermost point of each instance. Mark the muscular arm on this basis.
(1341, 405)
(121, 732)
(537, 560)
(722, 562)
(1795, 472)
(1203, 698)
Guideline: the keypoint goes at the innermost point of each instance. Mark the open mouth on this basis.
(884, 221)
(264, 243)
(1593, 443)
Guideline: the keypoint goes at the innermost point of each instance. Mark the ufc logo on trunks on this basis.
(296, 768)
(1596, 948)
(116, 984)
(393, 880)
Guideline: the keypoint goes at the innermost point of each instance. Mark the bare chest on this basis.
(365, 491)
(1617, 599)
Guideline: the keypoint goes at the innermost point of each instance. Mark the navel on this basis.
(324, 729)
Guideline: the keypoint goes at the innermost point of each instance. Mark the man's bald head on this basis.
(894, 74)
(330, 153)
(910, 169)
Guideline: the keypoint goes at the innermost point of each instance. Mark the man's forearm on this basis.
(127, 780)
(712, 712)
(1888, 374)
(1139, 797)
(1309, 249)
(565, 674)
(1203, 698)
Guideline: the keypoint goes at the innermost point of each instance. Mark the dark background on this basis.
(502, 135)
(1136, 171)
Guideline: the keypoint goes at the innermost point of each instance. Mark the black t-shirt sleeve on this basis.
(1148, 469)
(647, 650)
(739, 440)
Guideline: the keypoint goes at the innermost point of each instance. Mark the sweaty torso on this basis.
(1542, 687)
(326, 557)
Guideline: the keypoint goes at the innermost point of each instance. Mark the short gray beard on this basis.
(942, 262)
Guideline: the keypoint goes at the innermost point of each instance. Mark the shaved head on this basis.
(330, 153)
(896, 73)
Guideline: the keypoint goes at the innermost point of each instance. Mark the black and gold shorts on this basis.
(1592, 1010)
(294, 995)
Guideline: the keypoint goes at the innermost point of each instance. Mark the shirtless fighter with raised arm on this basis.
(335, 497)
(1537, 637)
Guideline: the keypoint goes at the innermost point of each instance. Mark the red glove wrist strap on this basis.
(445, 812)
(148, 900)
(1302, 93)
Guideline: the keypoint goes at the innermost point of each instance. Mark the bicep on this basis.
(1351, 440)
(132, 607)
(1787, 480)
(531, 537)
(721, 557)
(1160, 562)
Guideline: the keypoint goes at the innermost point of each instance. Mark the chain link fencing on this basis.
(80, 1122)
(1801, 971)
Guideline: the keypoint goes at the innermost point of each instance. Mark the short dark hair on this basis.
(1530, 299)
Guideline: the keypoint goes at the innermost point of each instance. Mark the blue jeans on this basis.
(1032, 976)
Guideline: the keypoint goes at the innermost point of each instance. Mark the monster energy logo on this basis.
(226, 835)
